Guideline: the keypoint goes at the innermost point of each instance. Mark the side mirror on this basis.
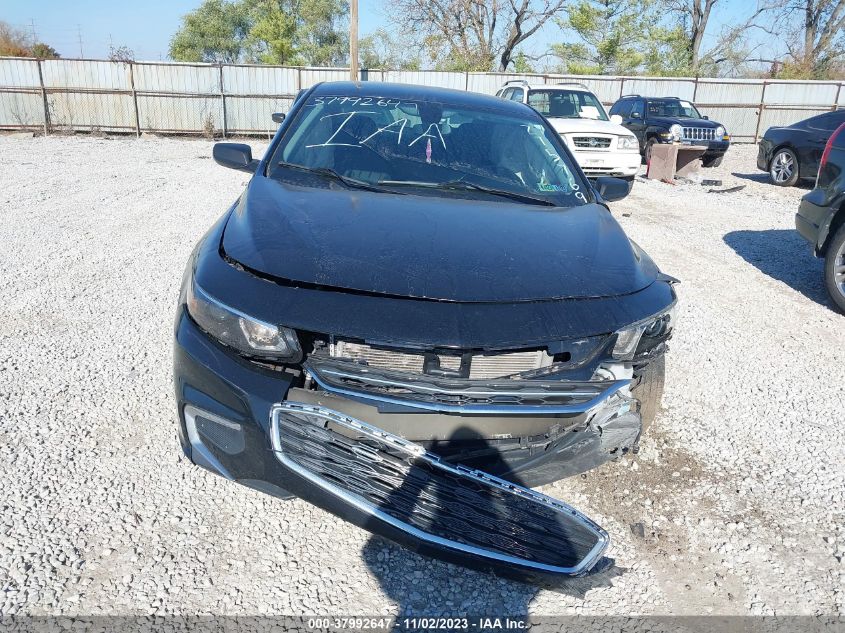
(636, 115)
(615, 118)
(234, 156)
(705, 117)
(612, 189)
(278, 117)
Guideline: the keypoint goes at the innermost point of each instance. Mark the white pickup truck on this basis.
(600, 144)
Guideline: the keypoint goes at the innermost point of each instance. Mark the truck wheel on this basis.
(649, 390)
(783, 169)
(712, 161)
(834, 268)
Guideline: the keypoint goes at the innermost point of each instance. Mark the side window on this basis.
(517, 95)
(506, 93)
(623, 108)
(638, 107)
(614, 109)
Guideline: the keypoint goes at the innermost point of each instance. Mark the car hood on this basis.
(587, 126)
(431, 247)
(668, 120)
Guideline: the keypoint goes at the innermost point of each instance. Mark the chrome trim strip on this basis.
(483, 409)
(603, 539)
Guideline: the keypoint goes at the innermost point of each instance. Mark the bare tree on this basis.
(473, 34)
(820, 42)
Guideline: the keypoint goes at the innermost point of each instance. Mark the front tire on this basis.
(647, 153)
(649, 390)
(834, 269)
(712, 161)
(783, 168)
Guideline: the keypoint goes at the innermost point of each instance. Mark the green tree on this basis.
(610, 36)
(217, 31)
(43, 51)
(380, 50)
(292, 32)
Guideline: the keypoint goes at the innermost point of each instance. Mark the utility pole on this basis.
(34, 32)
(79, 36)
(353, 40)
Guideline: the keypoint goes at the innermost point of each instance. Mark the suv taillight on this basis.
(829, 145)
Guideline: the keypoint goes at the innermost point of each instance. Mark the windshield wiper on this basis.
(331, 173)
(462, 185)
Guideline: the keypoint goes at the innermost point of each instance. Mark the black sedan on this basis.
(793, 153)
(418, 308)
(821, 216)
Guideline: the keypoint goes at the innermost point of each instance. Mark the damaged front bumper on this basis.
(438, 465)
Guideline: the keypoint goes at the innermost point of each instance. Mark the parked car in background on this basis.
(601, 146)
(793, 153)
(821, 215)
(671, 120)
(418, 307)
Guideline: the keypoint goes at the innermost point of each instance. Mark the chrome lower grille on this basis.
(453, 508)
(698, 134)
(591, 142)
(458, 395)
(481, 366)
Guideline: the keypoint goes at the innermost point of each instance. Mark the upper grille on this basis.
(457, 508)
(699, 134)
(481, 366)
(591, 142)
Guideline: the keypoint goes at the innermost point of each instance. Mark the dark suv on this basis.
(821, 216)
(668, 120)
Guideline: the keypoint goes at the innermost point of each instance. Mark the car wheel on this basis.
(834, 268)
(783, 169)
(713, 161)
(649, 390)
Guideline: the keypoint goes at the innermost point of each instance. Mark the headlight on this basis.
(236, 329)
(720, 132)
(676, 131)
(640, 337)
(628, 142)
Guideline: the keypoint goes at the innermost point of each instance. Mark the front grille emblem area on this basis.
(459, 513)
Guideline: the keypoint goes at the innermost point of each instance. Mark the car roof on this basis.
(413, 92)
(562, 86)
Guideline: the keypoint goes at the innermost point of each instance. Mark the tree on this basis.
(215, 32)
(473, 34)
(817, 46)
(43, 51)
(121, 54)
(381, 50)
(611, 36)
(310, 32)
(13, 43)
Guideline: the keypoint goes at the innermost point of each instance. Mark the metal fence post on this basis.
(223, 100)
(838, 92)
(134, 99)
(44, 99)
(695, 89)
(760, 111)
(622, 88)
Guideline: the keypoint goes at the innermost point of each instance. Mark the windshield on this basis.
(567, 104)
(434, 148)
(674, 108)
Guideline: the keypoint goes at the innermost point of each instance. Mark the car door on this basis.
(635, 121)
(819, 130)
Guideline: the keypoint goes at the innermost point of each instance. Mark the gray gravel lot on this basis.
(737, 498)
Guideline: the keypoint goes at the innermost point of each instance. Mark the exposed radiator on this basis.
(481, 366)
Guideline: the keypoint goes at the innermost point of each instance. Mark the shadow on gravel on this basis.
(783, 255)
(763, 177)
(423, 586)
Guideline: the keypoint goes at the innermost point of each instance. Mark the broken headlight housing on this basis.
(246, 334)
(643, 336)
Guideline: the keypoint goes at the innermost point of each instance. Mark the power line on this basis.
(79, 36)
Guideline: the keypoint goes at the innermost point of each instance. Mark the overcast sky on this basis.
(85, 28)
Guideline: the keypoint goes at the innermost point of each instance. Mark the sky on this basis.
(86, 28)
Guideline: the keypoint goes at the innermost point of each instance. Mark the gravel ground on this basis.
(734, 505)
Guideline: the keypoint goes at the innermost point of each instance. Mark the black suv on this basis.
(668, 120)
(821, 216)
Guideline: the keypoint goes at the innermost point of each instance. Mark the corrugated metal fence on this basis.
(234, 99)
